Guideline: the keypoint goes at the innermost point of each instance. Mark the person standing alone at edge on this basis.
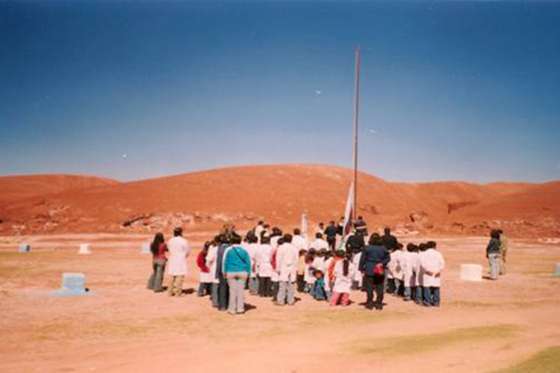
(373, 264)
(179, 250)
(504, 245)
(236, 267)
(159, 250)
(493, 254)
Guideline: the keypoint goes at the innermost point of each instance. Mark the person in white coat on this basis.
(343, 275)
(179, 250)
(299, 241)
(264, 267)
(319, 243)
(432, 265)
(211, 258)
(358, 276)
(252, 248)
(408, 259)
(287, 257)
(397, 266)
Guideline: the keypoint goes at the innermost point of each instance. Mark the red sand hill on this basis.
(16, 188)
(280, 193)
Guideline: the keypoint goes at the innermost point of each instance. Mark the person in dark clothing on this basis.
(159, 259)
(355, 243)
(493, 254)
(389, 241)
(340, 226)
(223, 288)
(373, 262)
(361, 226)
(330, 232)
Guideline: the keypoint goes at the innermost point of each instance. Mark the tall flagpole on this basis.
(356, 117)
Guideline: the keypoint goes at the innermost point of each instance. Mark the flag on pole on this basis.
(349, 211)
(304, 225)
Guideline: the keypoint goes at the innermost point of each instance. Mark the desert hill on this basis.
(280, 193)
(16, 188)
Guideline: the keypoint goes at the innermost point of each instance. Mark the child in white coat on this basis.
(343, 274)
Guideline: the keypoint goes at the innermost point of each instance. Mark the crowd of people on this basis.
(271, 263)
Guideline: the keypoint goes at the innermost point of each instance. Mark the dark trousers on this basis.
(332, 242)
(376, 283)
(204, 288)
(300, 283)
(265, 287)
(431, 296)
(275, 287)
(223, 293)
(156, 279)
(391, 287)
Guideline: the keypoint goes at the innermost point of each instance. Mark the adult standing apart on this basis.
(179, 250)
(236, 267)
(493, 254)
(504, 245)
(287, 257)
(159, 250)
(373, 264)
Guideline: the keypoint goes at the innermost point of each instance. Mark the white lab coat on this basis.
(343, 284)
(431, 261)
(397, 265)
(286, 262)
(416, 279)
(299, 242)
(252, 249)
(211, 262)
(264, 260)
(407, 258)
(179, 249)
(357, 274)
(258, 230)
(319, 244)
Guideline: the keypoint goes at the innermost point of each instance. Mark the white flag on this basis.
(348, 211)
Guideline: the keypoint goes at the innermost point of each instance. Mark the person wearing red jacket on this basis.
(205, 286)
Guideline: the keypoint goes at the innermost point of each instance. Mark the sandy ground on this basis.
(122, 327)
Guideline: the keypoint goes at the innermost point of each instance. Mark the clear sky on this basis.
(450, 91)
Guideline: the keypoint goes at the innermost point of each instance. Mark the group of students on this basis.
(274, 264)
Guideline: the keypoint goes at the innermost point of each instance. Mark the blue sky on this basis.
(450, 91)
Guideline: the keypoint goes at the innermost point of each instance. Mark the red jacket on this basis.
(201, 262)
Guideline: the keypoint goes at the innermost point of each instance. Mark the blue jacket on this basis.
(371, 256)
(236, 259)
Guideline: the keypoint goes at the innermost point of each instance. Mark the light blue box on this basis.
(24, 248)
(73, 284)
(557, 273)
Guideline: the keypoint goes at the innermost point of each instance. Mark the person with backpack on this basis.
(373, 265)
(159, 259)
(236, 268)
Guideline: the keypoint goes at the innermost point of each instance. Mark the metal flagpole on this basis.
(356, 112)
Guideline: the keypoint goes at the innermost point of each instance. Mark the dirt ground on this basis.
(122, 327)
